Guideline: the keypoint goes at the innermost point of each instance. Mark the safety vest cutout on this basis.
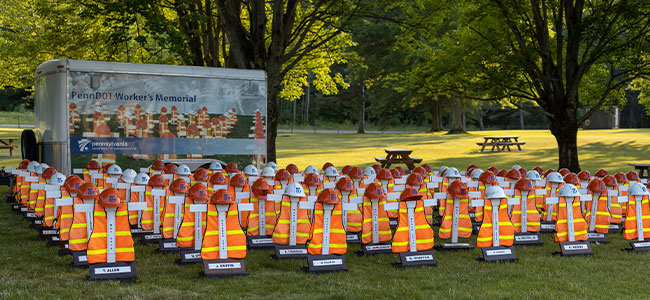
(185, 237)
(49, 214)
(579, 224)
(423, 231)
(478, 211)
(442, 203)
(624, 195)
(393, 213)
(506, 229)
(78, 238)
(385, 234)
(254, 216)
(135, 197)
(133, 215)
(21, 188)
(631, 231)
(424, 192)
(547, 207)
(337, 238)
(97, 247)
(169, 217)
(277, 186)
(64, 218)
(615, 209)
(39, 206)
(602, 214)
(532, 215)
(281, 233)
(26, 191)
(243, 215)
(99, 180)
(464, 221)
(34, 194)
(147, 216)
(235, 238)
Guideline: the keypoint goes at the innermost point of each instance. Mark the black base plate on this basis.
(260, 242)
(79, 259)
(547, 227)
(498, 254)
(375, 249)
(353, 238)
(615, 228)
(638, 246)
(124, 271)
(151, 238)
(167, 246)
(223, 268)
(528, 239)
(577, 248)
(16, 207)
(453, 246)
(64, 249)
(189, 256)
(595, 237)
(287, 251)
(325, 263)
(417, 259)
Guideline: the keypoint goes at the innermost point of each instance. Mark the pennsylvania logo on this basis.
(84, 145)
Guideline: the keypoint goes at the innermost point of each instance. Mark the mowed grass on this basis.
(32, 270)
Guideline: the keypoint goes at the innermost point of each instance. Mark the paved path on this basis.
(18, 126)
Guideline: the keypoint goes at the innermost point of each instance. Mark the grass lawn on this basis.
(32, 270)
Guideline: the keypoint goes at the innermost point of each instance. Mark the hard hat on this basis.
(272, 165)
(328, 196)
(215, 166)
(331, 172)
(327, 165)
(409, 194)
(183, 170)
(494, 192)
(533, 175)
(471, 166)
(414, 179)
(114, 170)
(516, 167)
(637, 189)
(584, 175)
(198, 192)
(142, 179)
(572, 178)
(488, 177)
(222, 196)
(539, 170)
(601, 173)
(513, 174)
(23, 164)
(345, 184)
(524, 184)
(31, 167)
(469, 171)
(554, 177)
(201, 174)
(374, 191)
(238, 180)
(157, 180)
(218, 178)
(106, 166)
(110, 198)
(311, 170)
(632, 176)
(442, 170)
(292, 168)
(564, 171)
(610, 180)
(620, 177)
(158, 165)
(420, 170)
(395, 173)
(88, 191)
(376, 167)
(48, 173)
(457, 189)
(73, 183)
(261, 187)
(494, 170)
(251, 170)
(294, 189)
(171, 169)
(41, 168)
(282, 174)
(93, 165)
(502, 173)
(356, 173)
(452, 173)
(401, 170)
(384, 174)
(476, 174)
(232, 168)
(522, 172)
(268, 172)
(312, 179)
(57, 179)
(568, 190)
(597, 186)
(179, 186)
(369, 172)
(549, 171)
(427, 168)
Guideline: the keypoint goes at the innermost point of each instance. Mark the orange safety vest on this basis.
(281, 234)
(133, 215)
(99, 181)
(579, 223)
(26, 190)
(532, 215)
(464, 221)
(337, 236)
(478, 211)
(33, 194)
(169, 217)
(624, 204)
(97, 245)
(539, 199)
(49, 213)
(423, 231)
(615, 209)
(78, 238)
(254, 216)
(243, 216)
(354, 217)
(428, 211)
(18, 185)
(135, 197)
(235, 238)
(278, 186)
(64, 217)
(506, 229)
(553, 207)
(632, 218)
(602, 214)
(393, 213)
(442, 188)
(381, 221)
(39, 208)
(147, 215)
(185, 237)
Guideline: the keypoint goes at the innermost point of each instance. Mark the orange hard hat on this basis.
(610, 180)
(282, 174)
(469, 171)
(620, 177)
(93, 165)
(395, 173)
(471, 166)
(88, 190)
(426, 167)
(572, 178)
(584, 175)
(356, 173)
(384, 174)
(110, 198)
(261, 187)
(493, 169)
(327, 165)
(549, 171)
(328, 196)
(70, 178)
(171, 169)
(524, 184)
(312, 179)
(414, 179)
(201, 174)
(597, 186)
(601, 173)
(193, 130)
(345, 184)
(409, 194)
(156, 180)
(632, 176)
(513, 174)
(106, 166)
(23, 164)
(238, 180)
(488, 177)
(158, 165)
(218, 179)
(73, 183)
(222, 196)
(198, 192)
(522, 172)
(49, 172)
(346, 169)
(376, 167)
(420, 170)
(457, 189)
(564, 171)
(401, 170)
(232, 168)
(179, 186)
(539, 170)
(374, 191)
(293, 169)
(502, 173)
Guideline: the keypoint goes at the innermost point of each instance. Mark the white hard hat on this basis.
(41, 168)
(268, 172)
(114, 170)
(183, 170)
(568, 190)
(516, 167)
(442, 169)
(180, 117)
(272, 165)
(213, 166)
(250, 170)
(554, 177)
(637, 189)
(32, 166)
(57, 179)
(476, 173)
(533, 175)
(311, 170)
(294, 189)
(128, 175)
(142, 179)
(369, 171)
(494, 192)
(452, 173)
(331, 172)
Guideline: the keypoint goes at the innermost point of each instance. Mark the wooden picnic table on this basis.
(398, 156)
(643, 169)
(501, 143)
(8, 143)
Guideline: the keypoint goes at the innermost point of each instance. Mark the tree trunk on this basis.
(435, 116)
(273, 89)
(456, 120)
(566, 135)
(362, 117)
(521, 119)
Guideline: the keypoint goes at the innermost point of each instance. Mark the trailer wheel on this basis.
(29, 148)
